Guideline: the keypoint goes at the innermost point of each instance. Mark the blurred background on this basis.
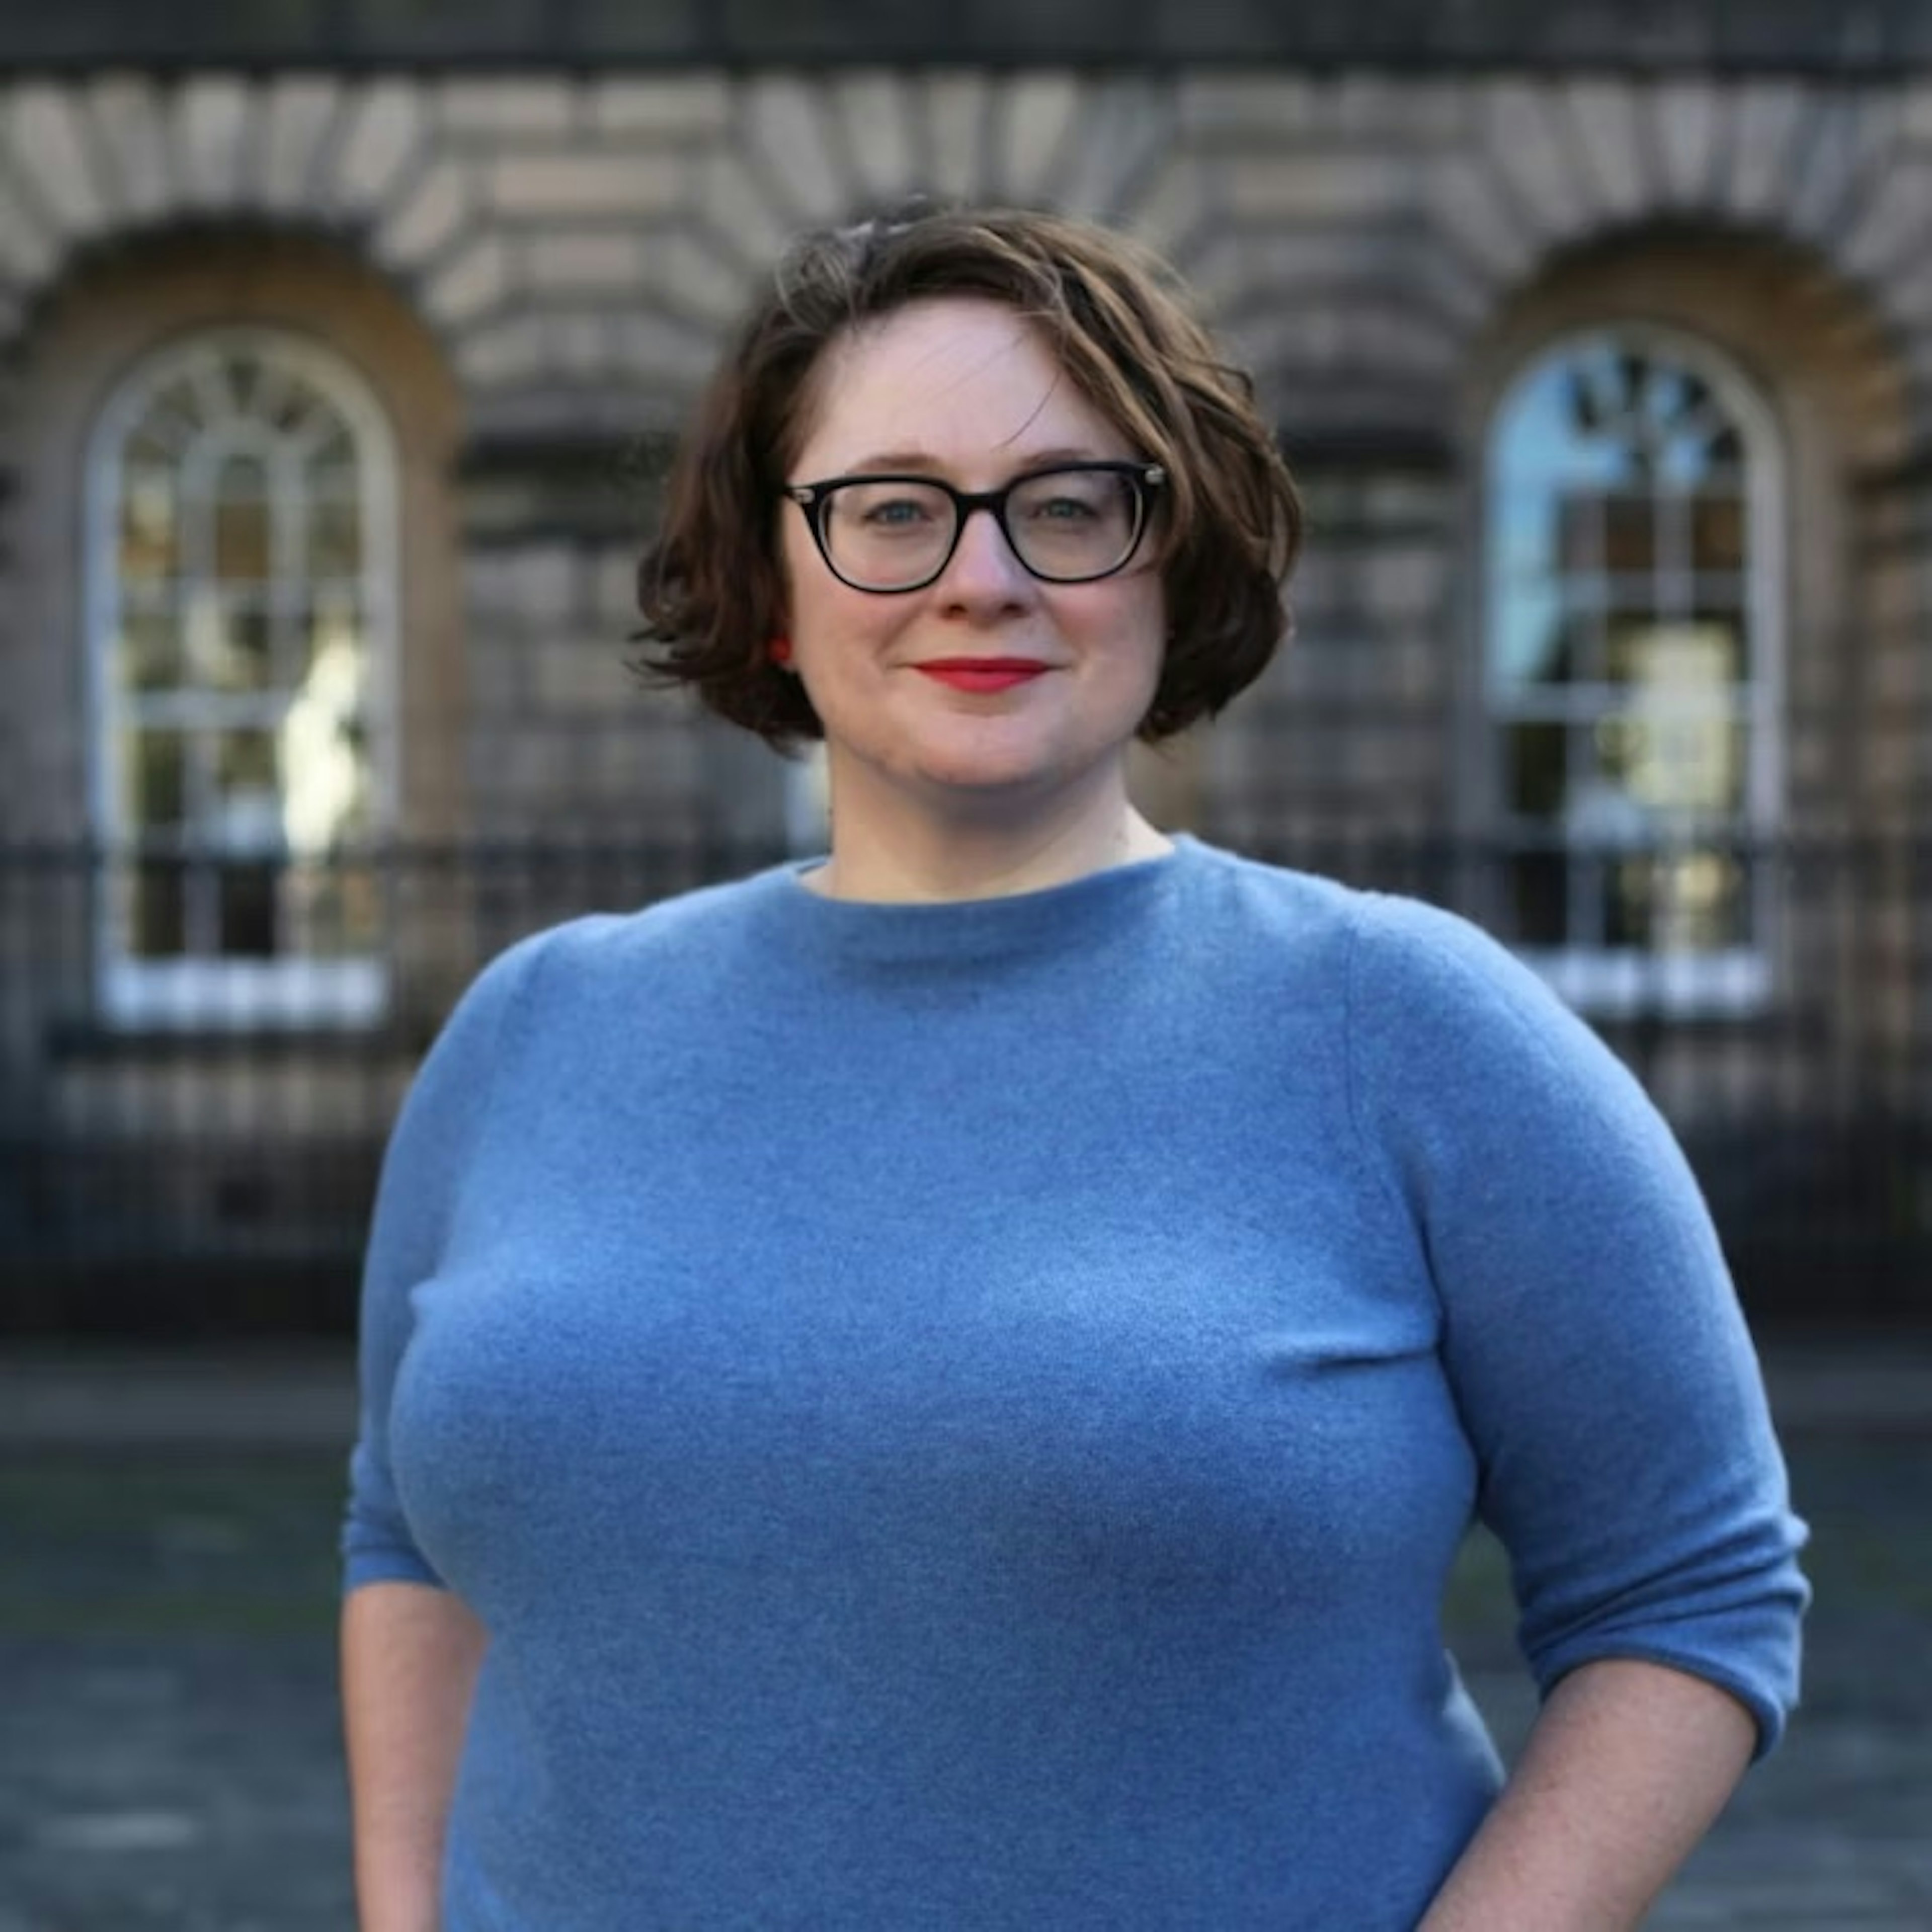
(345, 342)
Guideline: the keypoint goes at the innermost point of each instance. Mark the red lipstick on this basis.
(983, 674)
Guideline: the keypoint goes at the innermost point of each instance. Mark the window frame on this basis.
(235, 994)
(1613, 981)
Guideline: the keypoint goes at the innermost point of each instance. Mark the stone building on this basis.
(344, 340)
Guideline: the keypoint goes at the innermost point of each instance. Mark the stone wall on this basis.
(579, 241)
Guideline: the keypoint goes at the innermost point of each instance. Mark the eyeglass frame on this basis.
(812, 499)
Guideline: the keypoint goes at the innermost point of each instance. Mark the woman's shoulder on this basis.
(1272, 903)
(1384, 935)
(1404, 967)
(1437, 1005)
(683, 925)
(688, 931)
(1410, 956)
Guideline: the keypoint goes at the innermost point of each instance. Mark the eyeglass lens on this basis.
(1064, 525)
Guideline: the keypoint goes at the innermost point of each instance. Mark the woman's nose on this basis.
(982, 564)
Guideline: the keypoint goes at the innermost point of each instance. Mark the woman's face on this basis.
(966, 391)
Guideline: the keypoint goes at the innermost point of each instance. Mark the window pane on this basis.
(1523, 533)
(241, 535)
(339, 479)
(239, 654)
(1536, 758)
(1539, 887)
(324, 736)
(1725, 455)
(1720, 619)
(328, 797)
(149, 652)
(1540, 641)
(335, 537)
(1719, 600)
(1580, 547)
(148, 445)
(1629, 535)
(1676, 902)
(1674, 763)
(157, 923)
(1707, 902)
(178, 407)
(1687, 463)
(245, 760)
(336, 451)
(1699, 660)
(1717, 534)
(334, 909)
(288, 404)
(1548, 436)
(1626, 902)
(329, 645)
(246, 926)
(248, 803)
(150, 531)
(154, 771)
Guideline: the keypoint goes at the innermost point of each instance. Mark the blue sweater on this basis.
(959, 1417)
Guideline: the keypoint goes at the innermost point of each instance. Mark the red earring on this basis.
(779, 650)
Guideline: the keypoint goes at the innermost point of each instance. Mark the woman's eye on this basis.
(896, 512)
(1062, 510)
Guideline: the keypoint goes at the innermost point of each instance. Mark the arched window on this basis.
(240, 594)
(1631, 679)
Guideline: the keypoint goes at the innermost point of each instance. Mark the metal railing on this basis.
(199, 1167)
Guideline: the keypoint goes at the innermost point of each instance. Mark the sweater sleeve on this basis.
(430, 1150)
(1590, 1333)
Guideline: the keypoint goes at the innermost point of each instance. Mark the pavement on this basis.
(169, 1754)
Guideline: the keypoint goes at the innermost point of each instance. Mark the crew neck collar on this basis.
(1011, 925)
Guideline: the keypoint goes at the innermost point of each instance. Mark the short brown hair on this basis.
(711, 588)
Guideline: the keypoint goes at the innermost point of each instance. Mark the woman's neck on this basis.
(908, 858)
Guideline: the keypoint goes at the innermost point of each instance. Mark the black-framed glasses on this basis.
(1073, 524)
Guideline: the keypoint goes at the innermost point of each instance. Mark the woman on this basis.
(941, 1388)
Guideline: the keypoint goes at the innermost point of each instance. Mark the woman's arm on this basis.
(1622, 1444)
(410, 1659)
(1626, 1769)
(410, 1648)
